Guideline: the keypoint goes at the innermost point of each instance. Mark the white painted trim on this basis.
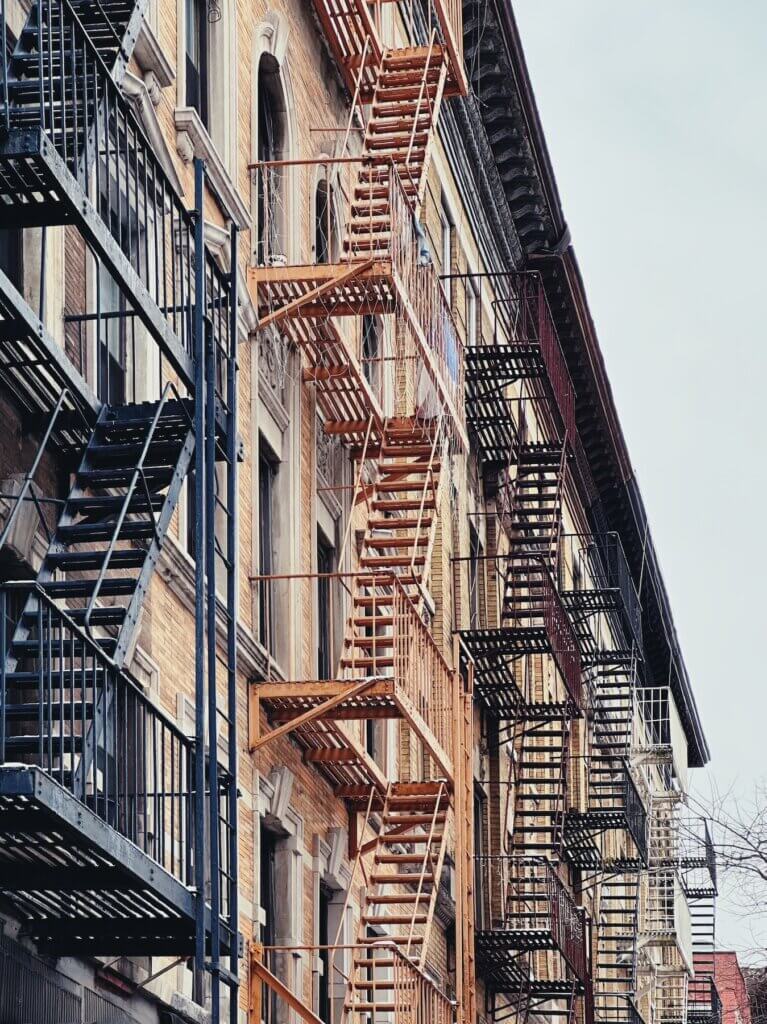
(192, 140)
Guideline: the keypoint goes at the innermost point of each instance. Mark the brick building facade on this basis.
(339, 679)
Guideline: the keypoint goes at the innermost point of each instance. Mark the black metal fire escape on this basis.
(699, 881)
(527, 661)
(118, 830)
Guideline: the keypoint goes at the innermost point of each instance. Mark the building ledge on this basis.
(193, 140)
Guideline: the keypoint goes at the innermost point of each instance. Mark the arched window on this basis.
(271, 140)
(325, 231)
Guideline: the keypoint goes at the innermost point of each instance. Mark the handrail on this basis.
(142, 783)
(29, 478)
(90, 124)
(137, 472)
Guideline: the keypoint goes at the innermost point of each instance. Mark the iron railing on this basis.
(593, 570)
(532, 599)
(524, 898)
(83, 115)
(536, 324)
(697, 858)
(703, 1003)
(96, 733)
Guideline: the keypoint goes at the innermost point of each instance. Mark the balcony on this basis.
(665, 918)
(66, 138)
(615, 805)
(703, 1003)
(595, 580)
(523, 906)
(524, 347)
(393, 670)
(97, 815)
(660, 739)
(697, 859)
(380, 271)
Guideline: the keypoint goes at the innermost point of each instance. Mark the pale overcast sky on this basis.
(654, 113)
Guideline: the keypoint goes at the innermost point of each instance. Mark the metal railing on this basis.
(356, 986)
(536, 323)
(704, 1005)
(401, 649)
(85, 117)
(532, 599)
(28, 490)
(525, 896)
(97, 734)
(596, 565)
(697, 857)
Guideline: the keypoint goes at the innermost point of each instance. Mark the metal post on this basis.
(232, 553)
(199, 587)
(214, 833)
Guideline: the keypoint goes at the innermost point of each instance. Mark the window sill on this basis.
(193, 140)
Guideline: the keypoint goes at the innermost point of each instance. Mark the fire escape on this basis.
(388, 664)
(699, 881)
(532, 939)
(607, 840)
(118, 830)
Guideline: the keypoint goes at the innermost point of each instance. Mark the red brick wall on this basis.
(731, 987)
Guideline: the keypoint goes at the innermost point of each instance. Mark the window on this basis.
(472, 309)
(325, 564)
(481, 864)
(267, 472)
(323, 911)
(10, 255)
(446, 251)
(268, 897)
(475, 578)
(371, 352)
(270, 146)
(111, 342)
(325, 234)
(197, 57)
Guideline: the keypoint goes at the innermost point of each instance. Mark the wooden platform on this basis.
(328, 741)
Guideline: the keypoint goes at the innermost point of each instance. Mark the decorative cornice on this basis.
(193, 140)
(151, 58)
(137, 94)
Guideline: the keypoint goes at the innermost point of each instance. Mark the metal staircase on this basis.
(103, 782)
(615, 967)
(399, 904)
(541, 752)
(398, 140)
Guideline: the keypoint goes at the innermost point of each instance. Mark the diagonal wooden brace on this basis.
(316, 712)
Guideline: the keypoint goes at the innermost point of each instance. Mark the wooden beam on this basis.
(419, 726)
(353, 270)
(313, 713)
(330, 755)
(319, 688)
(259, 972)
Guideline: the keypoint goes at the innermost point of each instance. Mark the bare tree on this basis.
(740, 841)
